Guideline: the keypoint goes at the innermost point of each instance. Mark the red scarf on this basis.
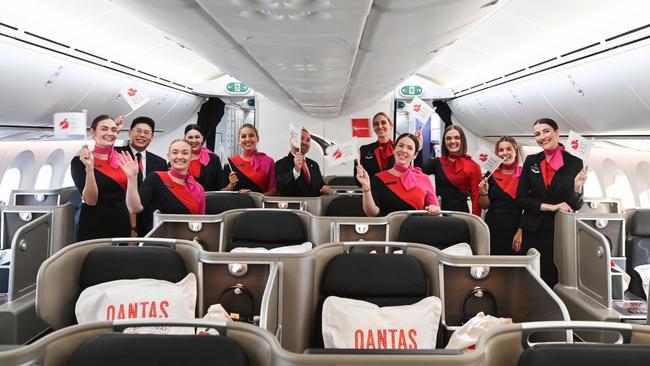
(383, 152)
(413, 177)
(113, 159)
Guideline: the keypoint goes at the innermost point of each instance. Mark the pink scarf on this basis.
(556, 160)
(192, 185)
(413, 177)
(255, 158)
(514, 167)
(113, 158)
(204, 155)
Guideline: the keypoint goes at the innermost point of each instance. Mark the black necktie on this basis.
(138, 156)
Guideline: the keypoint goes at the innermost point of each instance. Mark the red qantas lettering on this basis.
(385, 339)
(147, 309)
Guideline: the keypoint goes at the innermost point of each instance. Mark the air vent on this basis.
(581, 49)
(543, 62)
(8, 26)
(181, 85)
(47, 40)
(124, 66)
(627, 33)
(168, 81)
(148, 74)
(91, 54)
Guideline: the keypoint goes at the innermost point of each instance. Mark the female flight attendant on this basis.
(172, 192)
(205, 166)
(252, 170)
(378, 156)
(551, 181)
(97, 175)
(457, 175)
(402, 187)
(497, 195)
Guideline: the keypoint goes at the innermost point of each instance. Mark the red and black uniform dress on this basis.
(160, 192)
(392, 193)
(553, 183)
(504, 213)
(207, 170)
(256, 174)
(375, 158)
(456, 181)
(109, 218)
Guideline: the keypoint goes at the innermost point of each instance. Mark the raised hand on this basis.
(420, 138)
(363, 177)
(128, 165)
(483, 187)
(86, 157)
(119, 121)
(580, 179)
(297, 162)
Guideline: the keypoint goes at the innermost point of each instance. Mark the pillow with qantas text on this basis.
(139, 299)
(357, 324)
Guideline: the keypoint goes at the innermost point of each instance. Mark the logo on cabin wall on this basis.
(64, 124)
(575, 145)
(483, 157)
(132, 92)
(337, 154)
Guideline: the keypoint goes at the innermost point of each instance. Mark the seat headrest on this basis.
(267, 229)
(383, 279)
(218, 203)
(640, 223)
(150, 349)
(438, 231)
(345, 206)
(342, 180)
(106, 264)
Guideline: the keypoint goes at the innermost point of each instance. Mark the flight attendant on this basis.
(378, 156)
(402, 187)
(251, 170)
(497, 194)
(102, 183)
(457, 175)
(205, 165)
(172, 192)
(551, 181)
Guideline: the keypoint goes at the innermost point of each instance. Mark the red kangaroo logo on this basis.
(575, 144)
(337, 154)
(64, 124)
(132, 92)
(483, 157)
(417, 108)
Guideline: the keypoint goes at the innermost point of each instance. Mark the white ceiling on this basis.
(327, 56)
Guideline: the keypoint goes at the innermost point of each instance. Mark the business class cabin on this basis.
(303, 182)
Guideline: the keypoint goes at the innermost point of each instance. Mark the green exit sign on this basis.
(411, 90)
(236, 88)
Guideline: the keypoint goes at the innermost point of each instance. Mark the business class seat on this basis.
(267, 228)
(637, 249)
(381, 279)
(107, 343)
(623, 344)
(63, 277)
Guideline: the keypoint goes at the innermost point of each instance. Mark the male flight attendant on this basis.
(298, 176)
(140, 136)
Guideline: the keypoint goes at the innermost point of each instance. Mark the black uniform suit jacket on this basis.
(369, 160)
(153, 163)
(288, 186)
(532, 192)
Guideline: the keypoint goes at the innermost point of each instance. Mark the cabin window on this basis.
(592, 186)
(44, 178)
(643, 179)
(67, 179)
(10, 181)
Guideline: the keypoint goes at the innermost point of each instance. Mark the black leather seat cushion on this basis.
(637, 249)
(124, 263)
(218, 203)
(350, 206)
(438, 231)
(162, 350)
(267, 229)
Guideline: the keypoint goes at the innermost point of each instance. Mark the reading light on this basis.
(479, 273)
(238, 269)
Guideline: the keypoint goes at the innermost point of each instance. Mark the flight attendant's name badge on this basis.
(534, 169)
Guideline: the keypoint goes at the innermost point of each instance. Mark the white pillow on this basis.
(644, 272)
(458, 249)
(139, 299)
(300, 248)
(349, 323)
